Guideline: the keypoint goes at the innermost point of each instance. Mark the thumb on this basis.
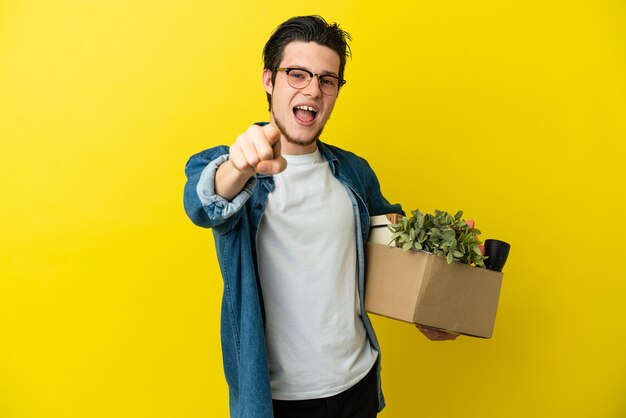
(274, 166)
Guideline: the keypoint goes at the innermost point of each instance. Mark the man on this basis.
(290, 216)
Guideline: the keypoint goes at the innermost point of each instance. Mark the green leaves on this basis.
(441, 234)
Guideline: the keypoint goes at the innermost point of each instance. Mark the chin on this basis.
(302, 139)
(301, 142)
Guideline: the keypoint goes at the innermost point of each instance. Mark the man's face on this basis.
(301, 114)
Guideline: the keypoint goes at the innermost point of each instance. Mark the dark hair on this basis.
(305, 29)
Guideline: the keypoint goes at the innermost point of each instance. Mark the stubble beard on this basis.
(300, 142)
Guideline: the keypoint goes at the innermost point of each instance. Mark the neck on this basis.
(289, 148)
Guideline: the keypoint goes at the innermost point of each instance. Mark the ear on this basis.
(267, 81)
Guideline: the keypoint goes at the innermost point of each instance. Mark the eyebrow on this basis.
(301, 67)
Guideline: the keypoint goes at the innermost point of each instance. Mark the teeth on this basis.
(309, 108)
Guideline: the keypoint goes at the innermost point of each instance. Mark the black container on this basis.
(497, 251)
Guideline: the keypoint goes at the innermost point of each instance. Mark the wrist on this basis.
(243, 174)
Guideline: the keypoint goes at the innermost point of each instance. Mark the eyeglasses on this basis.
(299, 78)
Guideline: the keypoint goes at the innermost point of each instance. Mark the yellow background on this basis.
(513, 112)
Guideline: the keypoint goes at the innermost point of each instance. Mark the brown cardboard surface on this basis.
(422, 288)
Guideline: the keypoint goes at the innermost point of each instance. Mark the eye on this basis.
(328, 81)
(298, 74)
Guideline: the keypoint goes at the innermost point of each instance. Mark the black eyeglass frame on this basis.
(341, 82)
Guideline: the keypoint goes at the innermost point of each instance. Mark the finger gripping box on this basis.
(422, 288)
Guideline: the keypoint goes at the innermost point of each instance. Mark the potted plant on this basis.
(442, 234)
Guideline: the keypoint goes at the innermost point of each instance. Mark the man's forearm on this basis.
(229, 181)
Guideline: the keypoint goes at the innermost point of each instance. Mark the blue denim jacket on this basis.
(235, 225)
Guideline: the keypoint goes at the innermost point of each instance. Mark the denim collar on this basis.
(328, 156)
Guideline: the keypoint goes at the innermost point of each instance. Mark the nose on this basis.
(314, 88)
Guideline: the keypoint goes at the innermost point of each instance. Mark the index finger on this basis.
(272, 133)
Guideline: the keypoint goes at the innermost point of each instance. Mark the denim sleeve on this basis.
(377, 203)
(203, 205)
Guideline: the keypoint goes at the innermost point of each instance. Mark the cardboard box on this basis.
(422, 288)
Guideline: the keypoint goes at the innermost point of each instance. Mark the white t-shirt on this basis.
(316, 341)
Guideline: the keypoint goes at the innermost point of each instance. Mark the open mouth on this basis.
(305, 114)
